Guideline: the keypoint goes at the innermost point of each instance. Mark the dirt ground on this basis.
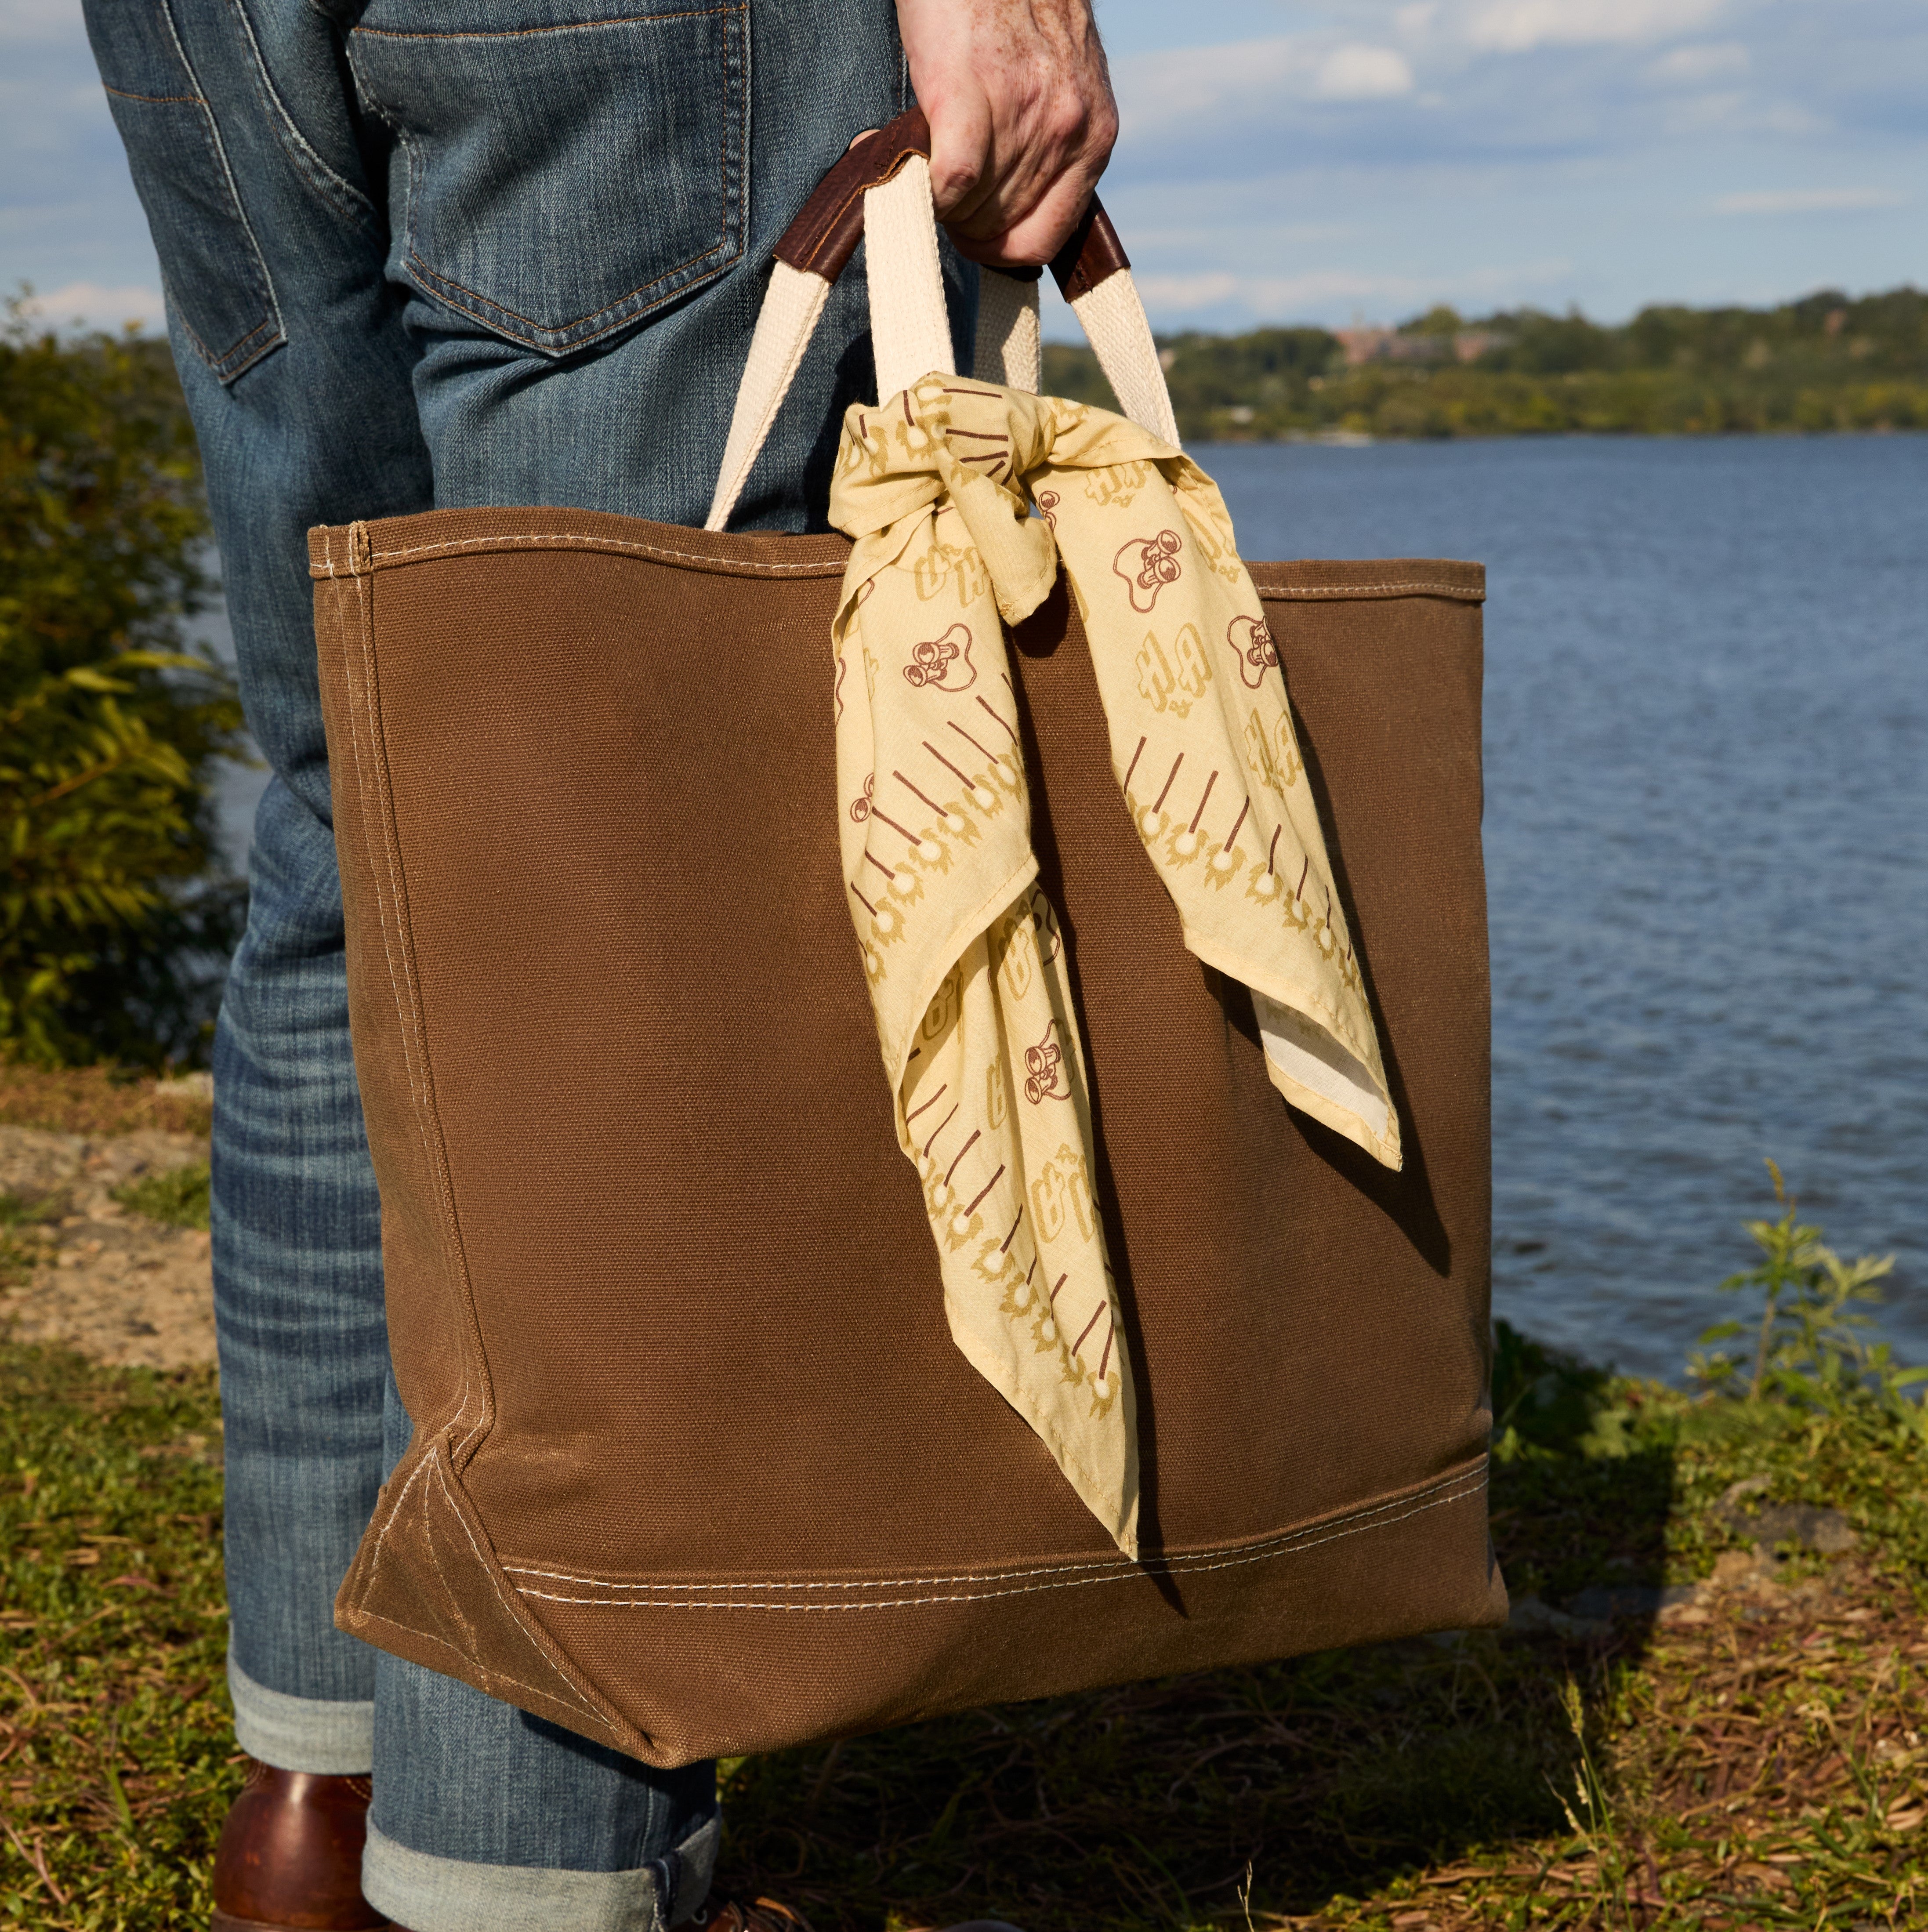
(99, 1278)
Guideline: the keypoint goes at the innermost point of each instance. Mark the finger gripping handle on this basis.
(825, 235)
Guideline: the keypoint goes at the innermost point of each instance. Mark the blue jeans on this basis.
(425, 253)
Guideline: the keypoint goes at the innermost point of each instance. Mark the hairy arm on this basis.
(1022, 118)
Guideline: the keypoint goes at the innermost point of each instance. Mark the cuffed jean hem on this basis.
(316, 1734)
(428, 1894)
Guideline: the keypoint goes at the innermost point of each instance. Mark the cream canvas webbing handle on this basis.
(882, 188)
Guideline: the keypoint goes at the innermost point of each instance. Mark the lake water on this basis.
(1707, 843)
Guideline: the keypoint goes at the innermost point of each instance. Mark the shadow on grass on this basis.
(1330, 1775)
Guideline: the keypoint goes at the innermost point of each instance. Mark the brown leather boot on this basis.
(718, 1915)
(290, 1859)
(977, 1925)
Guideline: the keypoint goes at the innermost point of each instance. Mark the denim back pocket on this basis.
(569, 166)
(216, 280)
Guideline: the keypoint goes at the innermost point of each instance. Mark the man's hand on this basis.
(1022, 118)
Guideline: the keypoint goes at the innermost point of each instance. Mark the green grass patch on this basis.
(177, 1195)
(25, 1228)
(116, 1759)
(1751, 1771)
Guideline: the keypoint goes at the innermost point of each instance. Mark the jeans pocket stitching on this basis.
(581, 331)
(235, 353)
(157, 99)
(242, 355)
(635, 302)
(561, 26)
(340, 194)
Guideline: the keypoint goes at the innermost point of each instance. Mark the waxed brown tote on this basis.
(697, 1469)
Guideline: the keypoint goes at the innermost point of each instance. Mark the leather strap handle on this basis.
(1092, 255)
(825, 235)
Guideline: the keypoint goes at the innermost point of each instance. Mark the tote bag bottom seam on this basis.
(743, 1594)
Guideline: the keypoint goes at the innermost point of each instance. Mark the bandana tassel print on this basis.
(961, 948)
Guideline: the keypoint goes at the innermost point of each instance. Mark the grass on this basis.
(25, 1223)
(98, 1100)
(1760, 1764)
(176, 1196)
(116, 1761)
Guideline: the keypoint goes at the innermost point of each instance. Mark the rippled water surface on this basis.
(1707, 843)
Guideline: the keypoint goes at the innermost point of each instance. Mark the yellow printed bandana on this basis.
(967, 971)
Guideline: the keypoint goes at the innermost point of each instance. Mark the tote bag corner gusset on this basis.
(697, 1469)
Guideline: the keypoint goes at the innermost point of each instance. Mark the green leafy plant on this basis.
(1549, 1403)
(1811, 1345)
(114, 918)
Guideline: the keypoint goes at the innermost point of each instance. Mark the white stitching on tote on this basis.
(583, 540)
(1464, 593)
(381, 1535)
(568, 1684)
(382, 867)
(748, 567)
(429, 1462)
(1119, 1564)
(375, 793)
(500, 1676)
(1124, 1573)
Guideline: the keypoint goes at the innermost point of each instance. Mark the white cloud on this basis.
(1195, 88)
(1187, 86)
(1733, 116)
(1195, 291)
(1688, 67)
(1355, 72)
(93, 306)
(1808, 200)
(1515, 26)
(1229, 236)
(1273, 297)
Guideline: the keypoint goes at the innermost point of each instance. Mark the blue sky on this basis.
(1287, 161)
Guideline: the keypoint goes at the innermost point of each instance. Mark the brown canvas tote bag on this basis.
(697, 1469)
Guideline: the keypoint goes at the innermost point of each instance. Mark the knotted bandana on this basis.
(936, 488)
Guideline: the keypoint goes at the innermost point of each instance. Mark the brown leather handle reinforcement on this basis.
(1093, 254)
(824, 236)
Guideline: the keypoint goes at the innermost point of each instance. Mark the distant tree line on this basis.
(116, 912)
(1825, 362)
(116, 916)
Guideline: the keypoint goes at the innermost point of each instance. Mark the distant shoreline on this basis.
(1824, 363)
